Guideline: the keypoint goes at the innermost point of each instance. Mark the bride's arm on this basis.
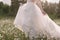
(40, 6)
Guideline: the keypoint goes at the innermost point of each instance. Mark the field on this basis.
(57, 21)
(9, 32)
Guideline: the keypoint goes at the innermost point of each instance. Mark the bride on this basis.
(32, 20)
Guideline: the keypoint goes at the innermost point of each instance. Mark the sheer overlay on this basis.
(31, 20)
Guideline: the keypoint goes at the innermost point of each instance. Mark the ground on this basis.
(7, 27)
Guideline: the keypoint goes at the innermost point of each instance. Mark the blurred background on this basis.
(8, 11)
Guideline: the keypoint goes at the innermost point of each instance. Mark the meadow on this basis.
(9, 32)
(7, 29)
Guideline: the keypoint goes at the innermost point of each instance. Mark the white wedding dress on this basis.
(31, 20)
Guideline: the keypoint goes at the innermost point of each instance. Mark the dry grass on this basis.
(57, 21)
(9, 31)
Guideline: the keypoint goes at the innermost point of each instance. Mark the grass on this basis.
(9, 32)
(57, 21)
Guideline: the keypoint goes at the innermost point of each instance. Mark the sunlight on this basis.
(1, 0)
(53, 1)
(9, 1)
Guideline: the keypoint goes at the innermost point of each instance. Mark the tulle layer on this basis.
(31, 20)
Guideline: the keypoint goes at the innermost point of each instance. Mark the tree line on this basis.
(52, 9)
